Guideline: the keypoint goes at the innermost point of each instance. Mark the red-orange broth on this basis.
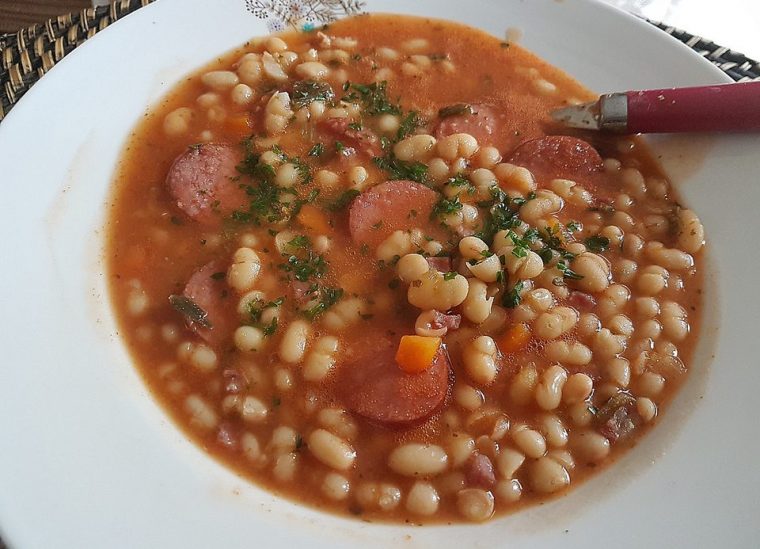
(265, 262)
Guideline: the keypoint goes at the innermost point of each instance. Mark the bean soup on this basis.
(363, 268)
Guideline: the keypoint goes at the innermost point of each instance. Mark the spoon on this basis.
(718, 108)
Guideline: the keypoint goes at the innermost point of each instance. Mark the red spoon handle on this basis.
(728, 107)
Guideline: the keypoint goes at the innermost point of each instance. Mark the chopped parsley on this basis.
(299, 241)
(503, 214)
(573, 226)
(451, 275)
(400, 169)
(256, 308)
(409, 123)
(597, 243)
(512, 298)
(567, 272)
(343, 200)
(317, 150)
(327, 298)
(373, 97)
(306, 92)
(446, 206)
(264, 195)
(304, 268)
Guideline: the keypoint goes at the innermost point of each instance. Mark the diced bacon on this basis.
(234, 381)
(479, 472)
(440, 264)
(448, 321)
(618, 417)
(581, 301)
(203, 183)
(228, 435)
(364, 141)
(301, 291)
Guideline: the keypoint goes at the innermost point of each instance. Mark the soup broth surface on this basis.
(363, 268)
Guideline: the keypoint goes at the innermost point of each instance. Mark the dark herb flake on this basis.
(317, 149)
(400, 169)
(597, 243)
(308, 91)
(456, 110)
(327, 298)
(409, 123)
(190, 310)
(512, 298)
(343, 200)
(446, 206)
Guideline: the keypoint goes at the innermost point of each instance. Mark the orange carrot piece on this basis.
(315, 219)
(515, 338)
(416, 353)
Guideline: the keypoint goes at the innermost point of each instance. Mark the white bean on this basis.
(415, 459)
(294, 341)
(331, 450)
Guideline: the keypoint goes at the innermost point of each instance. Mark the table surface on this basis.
(15, 14)
(731, 23)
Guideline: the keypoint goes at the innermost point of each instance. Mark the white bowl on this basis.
(88, 459)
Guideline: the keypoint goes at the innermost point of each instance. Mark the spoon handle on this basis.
(719, 108)
(723, 108)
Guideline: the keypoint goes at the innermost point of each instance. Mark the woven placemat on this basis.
(28, 54)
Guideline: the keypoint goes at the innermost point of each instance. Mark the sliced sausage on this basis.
(203, 183)
(363, 140)
(208, 289)
(482, 123)
(371, 385)
(392, 206)
(557, 156)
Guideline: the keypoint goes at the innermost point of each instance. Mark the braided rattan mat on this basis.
(28, 54)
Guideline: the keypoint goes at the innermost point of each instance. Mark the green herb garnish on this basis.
(311, 266)
(597, 243)
(306, 92)
(317, 150)
(567, 272)
(400, 169)
(409, 123)
(343, 200)
(446, 206)
(327, 298)
(512, 298)
(373, 97)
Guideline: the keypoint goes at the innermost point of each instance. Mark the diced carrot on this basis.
(237, 125)
(315, 219)
(515, 338)
(416, 353)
